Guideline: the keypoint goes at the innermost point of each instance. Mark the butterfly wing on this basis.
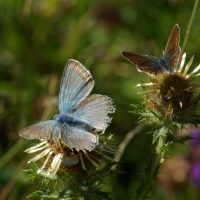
(48, 130)
(79, 139)
(93, 116)
(145, 63)
(76, 85)
(172, 48)
(95, 110)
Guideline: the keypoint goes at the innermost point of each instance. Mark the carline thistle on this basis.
(75, 130)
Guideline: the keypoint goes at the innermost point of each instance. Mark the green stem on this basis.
(190, 24)
(157, 158)
(150, 180)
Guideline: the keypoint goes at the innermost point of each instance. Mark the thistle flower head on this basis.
(58, 158)
(175, 95)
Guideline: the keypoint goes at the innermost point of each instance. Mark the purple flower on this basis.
(195, 174)
(195, 134)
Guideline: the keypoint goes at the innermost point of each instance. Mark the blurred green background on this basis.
(37, 37)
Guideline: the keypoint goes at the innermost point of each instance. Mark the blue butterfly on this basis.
(81, 116)
(153, 65)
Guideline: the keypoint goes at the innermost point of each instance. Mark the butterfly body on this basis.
(81, 116)
(153, 65)
(63, 119)
(165, 66)
(67, 119)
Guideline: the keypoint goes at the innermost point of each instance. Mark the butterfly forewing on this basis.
(148, 64)
(76, 85)
(172, 49)
(48, 130)
(95, 110)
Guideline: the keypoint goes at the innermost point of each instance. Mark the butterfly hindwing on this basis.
(79, 139)
(76, 85)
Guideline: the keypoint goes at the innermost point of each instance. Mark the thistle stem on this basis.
(128, 138)
(157, 159)
(148, 183)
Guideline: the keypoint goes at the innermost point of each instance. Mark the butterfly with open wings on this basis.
(153, 65)
(81, 116)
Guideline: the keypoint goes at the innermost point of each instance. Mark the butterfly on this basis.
(153, 65)
(81, 115)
